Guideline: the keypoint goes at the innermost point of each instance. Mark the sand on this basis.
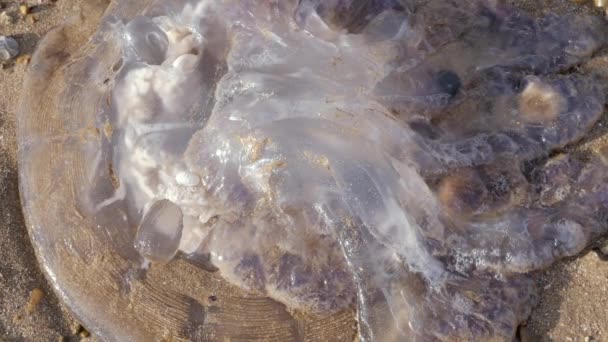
(20, 275)
(574, 300)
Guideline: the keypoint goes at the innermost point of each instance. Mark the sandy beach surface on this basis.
(574, 300)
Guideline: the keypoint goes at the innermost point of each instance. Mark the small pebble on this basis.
(24, 60)
(24, 9)
(82, 332)
(604, 248)
(9, 48)
(35, 299)
(5, 18)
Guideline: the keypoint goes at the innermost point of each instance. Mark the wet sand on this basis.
(574, 301)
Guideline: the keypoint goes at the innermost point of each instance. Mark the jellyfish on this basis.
(403, 165)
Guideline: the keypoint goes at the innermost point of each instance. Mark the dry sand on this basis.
(574, 301)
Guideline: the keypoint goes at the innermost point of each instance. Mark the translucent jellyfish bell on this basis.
(307, 170)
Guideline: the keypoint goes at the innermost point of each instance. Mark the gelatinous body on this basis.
(160, 231)
(393, 157)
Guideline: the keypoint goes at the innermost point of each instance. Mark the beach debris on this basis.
(23, 59)
(36, 297)
(604, 248)
(82, 332)
(24, 9)
(9, 48)
(5, 18)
